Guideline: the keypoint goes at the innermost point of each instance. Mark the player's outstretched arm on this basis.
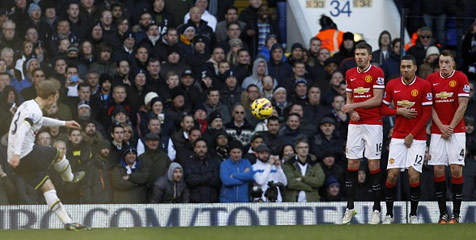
(72, 124)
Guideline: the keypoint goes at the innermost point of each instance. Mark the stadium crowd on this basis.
(162, 90)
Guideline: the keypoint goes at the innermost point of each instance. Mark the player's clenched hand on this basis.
(348, 108)
(15, 160)
(405, 112)
(354, 116)
(73, 124)
(408, 140)
(446, 131)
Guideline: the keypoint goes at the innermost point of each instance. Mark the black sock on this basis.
(414, 197)
(389, 197)
(440, 187)
(350, 184)
(457, 187)
(376, 189)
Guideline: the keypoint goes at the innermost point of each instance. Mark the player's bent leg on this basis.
(390, 183)
(63, 167)
(414, 176)
(440, 188)
(457, 187)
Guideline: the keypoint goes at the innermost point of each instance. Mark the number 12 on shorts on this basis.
(418, 160)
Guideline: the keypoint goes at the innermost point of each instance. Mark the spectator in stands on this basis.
(186, 153)
(173, 63)
(165, 145)
(126, 50)
(219, 147)
(243, 67)
(78, 25)
(213, 104)
(10, 37)
(235, 173)
(434, 16)
(383, 52)
(471, 109)
(332, 190)
(129, 179)
(271, 135)
(333, 89)
(266, 26)
(469, 52)
(425, 40)
(97, 187)
(299, 72)
(277, 67)
(327, 138)
(303, 177)
(268, 170)
(136, 92)
(28, 68)
(38, 75)
(391, 65)
(238, 127)
(171, 188)
(154, 81)
(249, 15)
(200, 25)
(118, 98)
(117, 144)
(299, 93)
(233, 31)
(231, 93)
(330, 67)
(430, 63)
(169, 41)
(346, 49)
(162, 17)
(291, 130)
(178, 9)
(308, 128)
(63, 31)
(332, 165)
(297, 53)
(202, 174)
(331, 37)
(314, 47)
(181, 136)
(260, 69)
(205, 14)
(231, 15)
(200, 55)
(104, 64)
(280, 101)
(218, 55)
(154, 159)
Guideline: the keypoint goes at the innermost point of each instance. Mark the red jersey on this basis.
(446, 92)
(414, 96)
(361, 85)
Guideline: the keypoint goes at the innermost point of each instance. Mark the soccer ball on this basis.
(261, 108)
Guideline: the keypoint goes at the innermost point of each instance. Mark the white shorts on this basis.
(399, 156)
(364, 137)
(447, 152)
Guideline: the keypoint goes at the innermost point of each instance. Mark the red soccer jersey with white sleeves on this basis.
(362, 85)
(414, 96)
(446, 92)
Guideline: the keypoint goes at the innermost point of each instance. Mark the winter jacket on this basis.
(166, 190)
(203, 179)
(310, 182)
(97, 186)
(265, 173)
(132, 190)
(235, 181)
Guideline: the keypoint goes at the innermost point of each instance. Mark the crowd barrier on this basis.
(218, 214)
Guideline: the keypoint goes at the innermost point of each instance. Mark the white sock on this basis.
(64, 169)
(56, 206)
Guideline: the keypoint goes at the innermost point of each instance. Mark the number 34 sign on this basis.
(338, 7)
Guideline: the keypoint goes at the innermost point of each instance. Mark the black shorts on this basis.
(33, 167)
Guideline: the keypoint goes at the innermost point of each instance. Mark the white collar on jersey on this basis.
(366, 70)
(411, 83)
(451, 75)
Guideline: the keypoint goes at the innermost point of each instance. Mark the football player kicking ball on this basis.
(451, 94)
(365, 87)
(412, 98)
(31, 161)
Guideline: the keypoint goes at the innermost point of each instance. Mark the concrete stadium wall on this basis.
(218, 214)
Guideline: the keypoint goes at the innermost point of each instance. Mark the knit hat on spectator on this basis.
(330, 60)
(229, 73)
(200, 107)
(255, 136)
(188, 28)
(348, 36)
(129, 150)
(300, 80)
(104, 77)
(128, 34)
(206, 73)
(327, 120)
(432, 50)
(235, 144)
(173, 49)
(297, 45)
(269, 36)
(214, 115)
(119, 109)
(32, 7)
(72, 48)
(262, 148)
(27, 63)
(328, 153)
(198, 39)
(152, 136)
(83, 104)
(280, 89)
(156, 99)
(136, 72)
(331, 180)
(149, 96)
(187, 72)
(177, 91)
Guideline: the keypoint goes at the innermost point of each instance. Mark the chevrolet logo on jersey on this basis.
(361, 90)
(444, 95)
(405, 103)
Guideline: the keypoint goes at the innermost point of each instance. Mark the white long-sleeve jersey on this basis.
(265, 173)
(26, 122)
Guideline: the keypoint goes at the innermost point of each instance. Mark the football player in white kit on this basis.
(31, 161)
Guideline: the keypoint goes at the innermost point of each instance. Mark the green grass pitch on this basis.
(327, 232)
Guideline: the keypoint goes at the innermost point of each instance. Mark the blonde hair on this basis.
(47, 88)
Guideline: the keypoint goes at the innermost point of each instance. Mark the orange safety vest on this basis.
(331, 39)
